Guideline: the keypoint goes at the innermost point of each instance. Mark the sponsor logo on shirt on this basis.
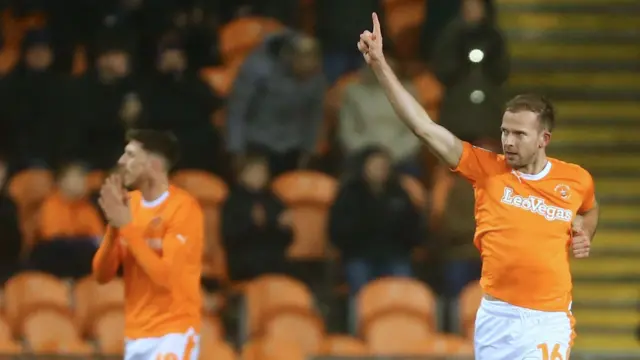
(536, 206)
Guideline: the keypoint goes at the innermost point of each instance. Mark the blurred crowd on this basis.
(298, 98)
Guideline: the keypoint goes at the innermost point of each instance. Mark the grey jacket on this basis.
(271, 108)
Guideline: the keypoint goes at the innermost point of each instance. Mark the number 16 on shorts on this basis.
(552, 353)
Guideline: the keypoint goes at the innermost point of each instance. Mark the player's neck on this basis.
(536, 166)
(154, 188)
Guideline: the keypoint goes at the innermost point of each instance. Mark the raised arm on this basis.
(439, 140)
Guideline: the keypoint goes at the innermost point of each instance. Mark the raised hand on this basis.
(114, 202)
(370, 44)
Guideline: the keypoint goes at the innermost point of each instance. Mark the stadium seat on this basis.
(7, 343)
(308, 195)
(415, 190)
(332, 103)
(269, 292)
(469, 303)
(240, 36)
(297, 325)
(30, 291)
(28, 189)
(93, 299)
(108, 330)
(395, 332)
(430, 92)
(95, 179)
(342, 345)
(442, 345)
(217, 350)
(48, 331)
(79, 62)
(211, 192)
(403, 22)
(402, 294)
(272, 349)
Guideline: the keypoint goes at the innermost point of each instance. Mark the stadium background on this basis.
(583, 54)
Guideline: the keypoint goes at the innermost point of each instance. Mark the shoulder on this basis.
(183, 199)
(574, 171)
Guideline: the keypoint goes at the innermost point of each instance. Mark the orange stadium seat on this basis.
(216, 350)
(332, 103)
(95, 179)
(395, 332)
(211, 192)
(297, 325)
(109, 332)
(403, 22)
(272, 349)
(470, 299)
(308, 195)
(416, 191)
(30, 291)
(93, 299)
(391, 293)
(442, 345)
(52, 332)
(342, 345)
(269, 292)
(240, 36)
(28, 189)
(79, 62)
(7, 343)
(430, 92)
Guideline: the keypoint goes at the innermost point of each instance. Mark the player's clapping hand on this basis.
(114, 202)
(580, 243)
(370, 44)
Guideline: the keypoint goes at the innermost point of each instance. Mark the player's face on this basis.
(522, 137)
(133, 164)
(73, 183)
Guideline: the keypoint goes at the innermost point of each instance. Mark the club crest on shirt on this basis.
(564, 191)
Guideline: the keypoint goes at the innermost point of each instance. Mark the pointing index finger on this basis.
(376, 26)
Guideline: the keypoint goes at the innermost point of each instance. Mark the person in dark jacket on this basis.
(472, 62)
(11, 237)
(256, 226)
(373, 222)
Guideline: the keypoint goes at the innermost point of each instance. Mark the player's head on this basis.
(72, 180)
(148, 154)
(526, 129)
(254, 175)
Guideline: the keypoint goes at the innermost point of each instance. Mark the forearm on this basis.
(107, 259)
(158, 270)
(438, 139)
(589, 221)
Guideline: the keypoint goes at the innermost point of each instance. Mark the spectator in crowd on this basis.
(70, 227)
(337, 26)
(11, 237)
(373, 222)
(368, 119)
(276, 105)
(471, 61)
(32, 104)
(256, 226)
(176, 99)
(105, 102)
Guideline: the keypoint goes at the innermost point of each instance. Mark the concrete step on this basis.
(545, 51)
(620, 212)
(596, 133)
(619, 239)
(624, 294)
(584, 65)
(606, 268)
(582, 3)
(617, 186)
(602, 162)
(597, 111)
(535, 21)
(620, 320)
(607, 343)
(578, 80)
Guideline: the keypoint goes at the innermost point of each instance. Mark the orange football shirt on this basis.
(161, 253)
(523, 227)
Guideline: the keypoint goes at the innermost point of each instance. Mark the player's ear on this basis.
(545, 139)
